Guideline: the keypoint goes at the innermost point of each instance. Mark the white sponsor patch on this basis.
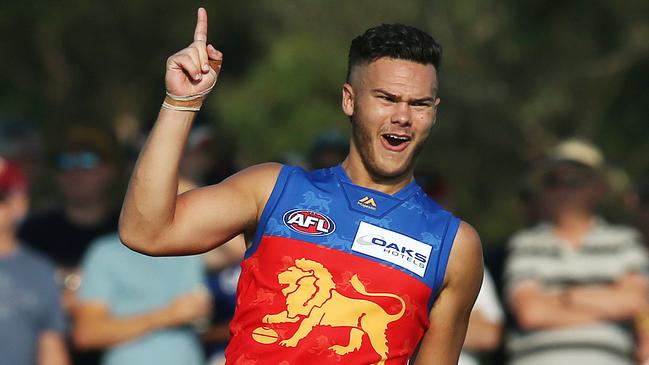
(393, 247)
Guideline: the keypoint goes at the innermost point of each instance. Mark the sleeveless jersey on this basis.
(338, 273)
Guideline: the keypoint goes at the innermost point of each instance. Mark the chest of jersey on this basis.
(339, 270)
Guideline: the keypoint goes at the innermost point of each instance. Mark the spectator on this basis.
(86, 170)
(329, 149)
(484, 333)
(31, 317)
(575, 281)
(224, 271)
(85, 165)
(200, 165)
(21, 141)
(641, 212)
(641, 215)
(140, 309)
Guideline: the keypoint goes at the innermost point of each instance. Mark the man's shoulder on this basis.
(260, 176)
(106, 245)
(47, 216)
(42, 224)
(34, 261)
(603, 227)
(430, 205)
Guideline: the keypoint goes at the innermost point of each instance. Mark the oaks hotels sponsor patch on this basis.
(392, 247)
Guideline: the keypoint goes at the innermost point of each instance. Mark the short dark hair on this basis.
(396, 41)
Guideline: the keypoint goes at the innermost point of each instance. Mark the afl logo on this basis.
(309, 222)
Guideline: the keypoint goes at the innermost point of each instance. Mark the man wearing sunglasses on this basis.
(85, 169)
(574, 282)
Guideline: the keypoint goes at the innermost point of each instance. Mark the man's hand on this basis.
(190, 307)
(194, 69)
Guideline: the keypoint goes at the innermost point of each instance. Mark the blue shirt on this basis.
(131, 283)
(29, 305)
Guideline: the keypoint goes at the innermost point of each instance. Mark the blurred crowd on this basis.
(571, 284)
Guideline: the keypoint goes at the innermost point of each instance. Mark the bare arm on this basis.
(536, 308)
(96, 327)
(52, 349)
(482, 334)
(154, 220)
(449, 317)
(621, 300)
(227, 254)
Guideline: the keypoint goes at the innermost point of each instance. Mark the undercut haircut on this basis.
(395, 41)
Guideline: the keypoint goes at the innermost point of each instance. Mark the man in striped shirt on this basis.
(574, 282)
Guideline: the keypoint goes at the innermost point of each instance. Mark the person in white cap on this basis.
(574, 282)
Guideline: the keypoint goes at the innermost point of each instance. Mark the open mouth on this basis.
(395, 142)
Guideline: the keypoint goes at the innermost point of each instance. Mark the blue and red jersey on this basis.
(338, 273)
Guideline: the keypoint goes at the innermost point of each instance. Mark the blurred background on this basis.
(516, 79)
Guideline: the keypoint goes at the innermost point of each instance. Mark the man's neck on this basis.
(359, 175)
(86, 214)
(573, 225)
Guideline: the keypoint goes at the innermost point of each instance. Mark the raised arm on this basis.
(449, 317)
(154, 219)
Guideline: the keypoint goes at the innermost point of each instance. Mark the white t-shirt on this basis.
(489, 305)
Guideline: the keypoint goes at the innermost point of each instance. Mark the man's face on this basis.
(571, 186)
(83, 176)
(392, 104)
(13, 207)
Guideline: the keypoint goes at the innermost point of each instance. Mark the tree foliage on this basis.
(516, 78)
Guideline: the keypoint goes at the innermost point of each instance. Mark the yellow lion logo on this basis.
(312, 298)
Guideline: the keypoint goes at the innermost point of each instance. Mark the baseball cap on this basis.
(12, 178)
(573, 163)
(85, 148)
(579, 151)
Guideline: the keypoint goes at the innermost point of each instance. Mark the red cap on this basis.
(11, 177)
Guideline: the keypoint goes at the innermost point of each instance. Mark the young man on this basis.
(32, 323)
(352, 263)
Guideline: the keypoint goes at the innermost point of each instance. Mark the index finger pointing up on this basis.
(200, 34)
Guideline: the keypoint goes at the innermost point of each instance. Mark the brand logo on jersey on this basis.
(367, 202)
(309, 222)
(393, 247)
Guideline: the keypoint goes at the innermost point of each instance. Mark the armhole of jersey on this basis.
(278, 189)
(447, 243)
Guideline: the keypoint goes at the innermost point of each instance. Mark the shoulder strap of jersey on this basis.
(278, 190)
(452, 225)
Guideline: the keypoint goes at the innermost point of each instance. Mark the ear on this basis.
(348, 100)
(436, 109)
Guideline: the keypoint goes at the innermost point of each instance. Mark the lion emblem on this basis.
(311, 201)
(312, 300)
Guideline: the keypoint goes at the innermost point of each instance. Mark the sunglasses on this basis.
(568, 180)
(77, 161)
